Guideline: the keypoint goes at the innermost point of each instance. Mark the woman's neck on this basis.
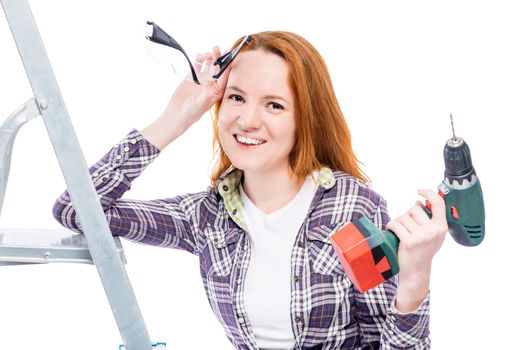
(270, 191)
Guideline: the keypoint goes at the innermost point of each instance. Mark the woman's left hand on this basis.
(420, 239)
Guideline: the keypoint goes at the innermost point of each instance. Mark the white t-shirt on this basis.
(267, 293)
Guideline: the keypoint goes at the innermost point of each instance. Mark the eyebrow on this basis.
(272, 97)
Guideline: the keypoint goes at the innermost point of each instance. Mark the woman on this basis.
(285, 179)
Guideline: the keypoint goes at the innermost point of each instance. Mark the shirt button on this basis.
(241, 320)
(118, 156)
(245, 246)
(235, 212)
(225, 188)
(126, 149)
(95, 174)
(298, 319)
(133, 141)
(104, 179)
(297, 278)
(239, 281)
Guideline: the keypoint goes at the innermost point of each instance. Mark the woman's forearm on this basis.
(163, 131)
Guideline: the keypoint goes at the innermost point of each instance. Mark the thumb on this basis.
(208, 96)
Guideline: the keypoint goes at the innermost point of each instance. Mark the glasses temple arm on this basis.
(159, 36)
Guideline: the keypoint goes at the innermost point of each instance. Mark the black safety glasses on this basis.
(159, 36)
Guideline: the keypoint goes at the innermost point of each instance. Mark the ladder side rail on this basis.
(74, 168)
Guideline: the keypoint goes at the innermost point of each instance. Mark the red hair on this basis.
(323, 137)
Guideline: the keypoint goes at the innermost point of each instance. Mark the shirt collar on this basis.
(326, 178)
(228, 185)
(228, 189)
(230, 181)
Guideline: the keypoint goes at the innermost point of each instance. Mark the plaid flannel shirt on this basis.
(326, 311)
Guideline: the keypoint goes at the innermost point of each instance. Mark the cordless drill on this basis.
(369, 255)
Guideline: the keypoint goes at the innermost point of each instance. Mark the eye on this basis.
(236, 98)
(275, 106)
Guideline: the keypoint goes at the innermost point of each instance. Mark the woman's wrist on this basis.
(411, 291)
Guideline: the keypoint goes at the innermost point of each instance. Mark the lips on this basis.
(248, 141)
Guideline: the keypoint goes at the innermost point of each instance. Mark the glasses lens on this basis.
(204, 70)
(177, 61)
(168, 56)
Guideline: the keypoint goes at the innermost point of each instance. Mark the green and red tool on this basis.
(369, 255)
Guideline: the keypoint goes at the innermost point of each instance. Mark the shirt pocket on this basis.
(323, 258)
(218, 255)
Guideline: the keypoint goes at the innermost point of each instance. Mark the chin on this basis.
(247, 165)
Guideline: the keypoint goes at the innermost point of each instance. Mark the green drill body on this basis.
(468, 228)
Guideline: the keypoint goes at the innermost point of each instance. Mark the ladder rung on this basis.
(37, 246)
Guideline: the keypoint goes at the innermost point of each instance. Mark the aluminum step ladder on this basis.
(96, 245)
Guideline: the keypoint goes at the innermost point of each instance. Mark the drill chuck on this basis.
(458, 163)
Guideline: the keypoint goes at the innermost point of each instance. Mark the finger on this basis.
(400, 231)
(198, 58)
(211, 93)
(215, 55)
(438, 206)
(203, 104)
(418, 214)
(216, 52)
(222, 81)
(409, 223)
(202, 57)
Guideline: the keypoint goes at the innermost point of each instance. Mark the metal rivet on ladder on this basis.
(43, 104)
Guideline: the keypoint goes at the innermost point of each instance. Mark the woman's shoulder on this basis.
(211, 200)
(344, 179)
(347, 187)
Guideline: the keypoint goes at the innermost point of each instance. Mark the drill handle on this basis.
(427, 207)
(465, 214)
(392, 239)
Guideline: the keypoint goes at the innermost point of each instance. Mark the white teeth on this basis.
(248, 141)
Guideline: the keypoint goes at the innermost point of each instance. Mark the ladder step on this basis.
(41, 246)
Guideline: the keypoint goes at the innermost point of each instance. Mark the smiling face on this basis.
(256, 119)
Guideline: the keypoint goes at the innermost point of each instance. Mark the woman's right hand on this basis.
(190, 101)
(187, 105)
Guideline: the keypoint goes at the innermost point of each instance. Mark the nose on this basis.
(249, 119)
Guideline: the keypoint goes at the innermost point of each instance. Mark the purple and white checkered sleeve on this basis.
(162, 222)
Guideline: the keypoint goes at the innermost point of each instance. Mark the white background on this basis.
(398, 68)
